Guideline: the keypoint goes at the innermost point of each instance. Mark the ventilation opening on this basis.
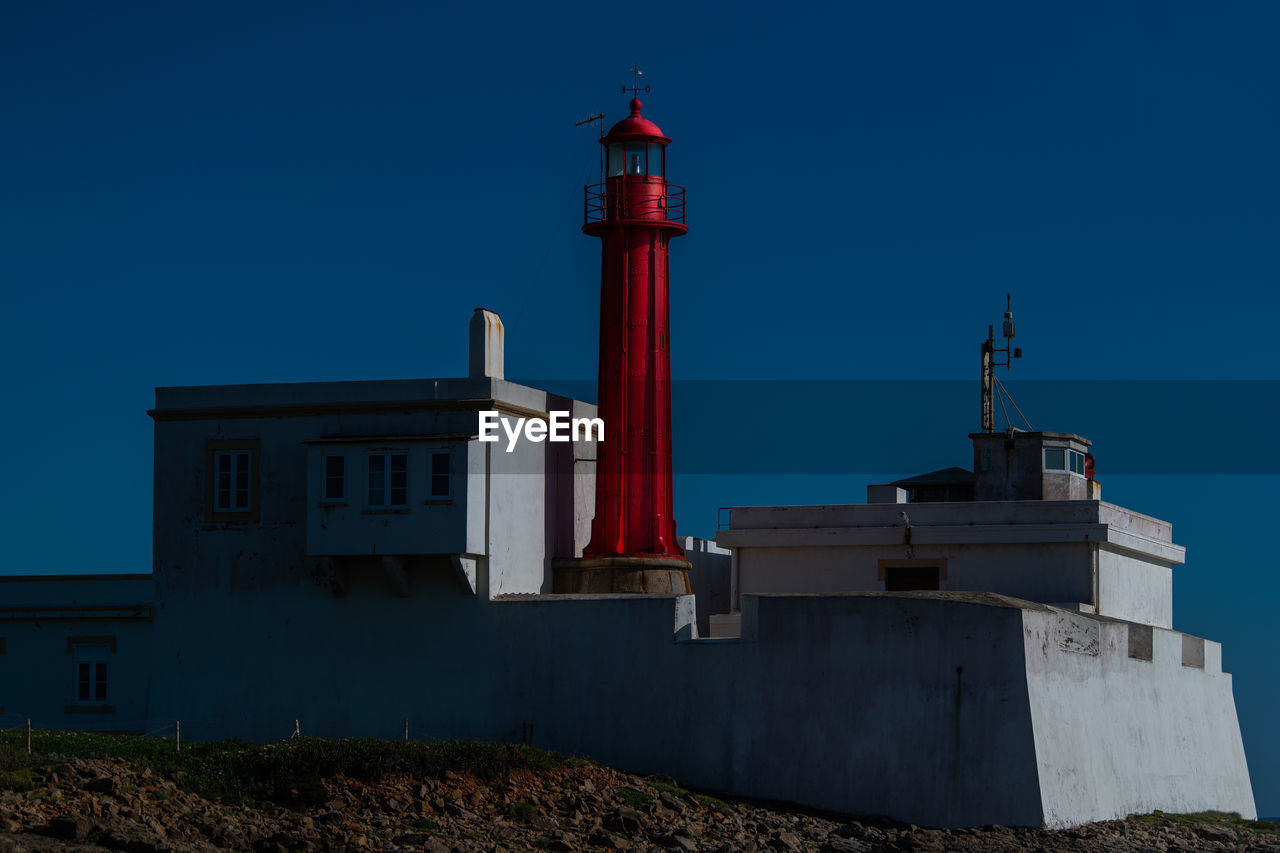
(910, 578)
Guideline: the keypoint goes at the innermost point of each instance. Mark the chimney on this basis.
(486, 345)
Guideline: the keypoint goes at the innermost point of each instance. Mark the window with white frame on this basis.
(91, 672)
(441, 485)
(335, 478)
(231, 491)
(1062, 459)
(388, 481)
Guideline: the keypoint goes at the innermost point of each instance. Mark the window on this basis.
(388, 481)
(231, 488)
(231, 481)
(1075, 460)
(440, 485)
(335, 478)
(91, 673)
(1055, 459)
(655, 159)
(90, 683)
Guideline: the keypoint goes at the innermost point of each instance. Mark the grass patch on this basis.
(712, 803)
(522, 811)
(667, 788)
(288, 773)
(1231, 820)
(20, 780)
(633, 798)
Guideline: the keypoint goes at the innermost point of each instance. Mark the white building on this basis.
(351, 556)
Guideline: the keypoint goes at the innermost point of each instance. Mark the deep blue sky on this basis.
(233, 192)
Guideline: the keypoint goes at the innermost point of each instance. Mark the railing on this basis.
(624, 199)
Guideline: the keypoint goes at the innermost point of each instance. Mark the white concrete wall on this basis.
(41, 621)
(1045, 572)
(1117, 735)
(426, 526)
(1134, 588)
(913, 706)
(710, 579)
(1055, 552)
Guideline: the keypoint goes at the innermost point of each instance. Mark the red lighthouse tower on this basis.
(635, 213)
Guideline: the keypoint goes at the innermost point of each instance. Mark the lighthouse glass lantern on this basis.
(635, 158)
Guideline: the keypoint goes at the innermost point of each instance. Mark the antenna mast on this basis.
(595, 118)
(989, 364)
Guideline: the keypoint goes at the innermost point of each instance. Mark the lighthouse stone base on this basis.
(622, 574)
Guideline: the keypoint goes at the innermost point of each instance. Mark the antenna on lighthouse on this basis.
(595, 118)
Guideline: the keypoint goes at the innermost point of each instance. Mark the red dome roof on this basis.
(635, 125)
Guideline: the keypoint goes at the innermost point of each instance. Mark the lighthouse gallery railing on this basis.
(633, 200)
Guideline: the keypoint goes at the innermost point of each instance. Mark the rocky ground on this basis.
(95, 805)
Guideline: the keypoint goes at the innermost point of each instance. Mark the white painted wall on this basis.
(1115, 735)
(915, 706)
(1055, 552)
(41, 620)
(1134, 587)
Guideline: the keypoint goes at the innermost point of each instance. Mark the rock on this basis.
(69, 828)
(625, 820)
(9, 845)
(603, 839)
(845, 845)
(435, 845)
(1212, 832)
(786, 841)
(101, 785)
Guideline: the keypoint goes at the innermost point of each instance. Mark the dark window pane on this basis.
(334, 482)
(224, 464)
(440, 463)
(399, 496)
(1054, 459)
(100, 688)
(399, 462)
(82, 692)
(377, 463)
(439, 486)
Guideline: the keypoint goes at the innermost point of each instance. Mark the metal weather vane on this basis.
(635, 86)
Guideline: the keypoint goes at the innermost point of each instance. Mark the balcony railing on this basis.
(623, 199)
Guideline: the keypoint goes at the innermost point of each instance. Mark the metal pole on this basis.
(177, 735)
(406, 729)
(28, 736)
(988, 389)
